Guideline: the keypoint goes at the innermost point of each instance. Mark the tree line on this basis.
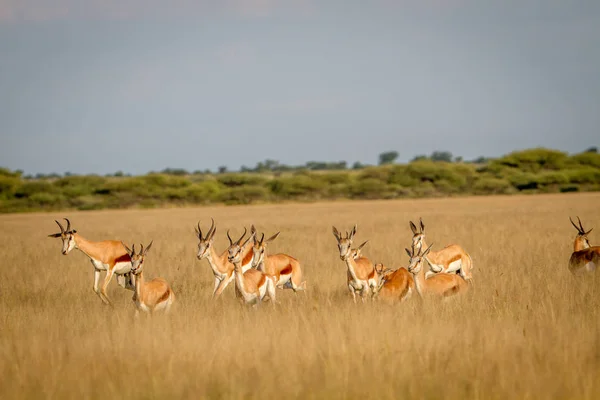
(439, 174)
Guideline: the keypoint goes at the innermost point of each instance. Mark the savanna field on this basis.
(527, 329)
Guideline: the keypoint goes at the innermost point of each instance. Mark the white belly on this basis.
(283, 279)
(122, 268)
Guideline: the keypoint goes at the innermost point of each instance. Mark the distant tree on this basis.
(592, 149)
(388, 157)
(174, 171)
(119, 173)
(243, 168)
(420, 157)
(357, 165)
(441, 156)
(480, 160)
(458, 159)
(222, 169)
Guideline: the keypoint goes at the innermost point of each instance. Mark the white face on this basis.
(68, 243)
(203, 249)
(344, 246)
(137, 263)
(234, 253)
(258, 254)
(417, 241)
(416, 263)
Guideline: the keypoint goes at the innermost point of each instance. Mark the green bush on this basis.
(299, 185)
(587, 159)
(491, 185)
(235, 180)
(245, 194)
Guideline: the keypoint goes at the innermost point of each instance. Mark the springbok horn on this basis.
(229, 237)
(142, 249)
(581, 226)
(573, 223)
(62, 230)
(68, 225)
(212, 226)
(241, 237)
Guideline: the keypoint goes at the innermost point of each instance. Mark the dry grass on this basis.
(528, 330)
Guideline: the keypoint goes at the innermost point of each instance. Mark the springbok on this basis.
(107, 255)
(286, 269)
(153, 295)
(451, 259)
(584, 257)
(440, 284)
(393, 285)
(252, 286)
(361, 274)
(222, 269)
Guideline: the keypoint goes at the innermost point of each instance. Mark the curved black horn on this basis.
(229, 237)
(243, 234)
(62, 230)
(68, 225)
(581, 226)
(142, 249)
(212, 226)
(199, 230)
(573, 223)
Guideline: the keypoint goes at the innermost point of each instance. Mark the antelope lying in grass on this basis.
(451, 259)
(286, 269)
(252, 286)
(440, 284)
(222, 269)
(585, 258)
(361, 275)
(107, 255)
(153, 295)
(393, 285)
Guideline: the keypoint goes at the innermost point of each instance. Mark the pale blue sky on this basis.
(91, 86)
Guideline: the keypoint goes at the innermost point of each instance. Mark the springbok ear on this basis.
(413, 227)
(408, 252)
(422, 224)
(273, 237)
(126, 248)
(55, 235)
(336, 233)
(148, 248)
(362, 245)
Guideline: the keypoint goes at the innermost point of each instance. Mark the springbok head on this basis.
(137, 259)
(205, 242)
(418, 235)
(234, 252)
(417, 256)
(258, 250)
(581, 241)
(344, 243)
(68, 241)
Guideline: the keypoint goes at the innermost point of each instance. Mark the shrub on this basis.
(245, 194)
(235, 180)
(491, 185)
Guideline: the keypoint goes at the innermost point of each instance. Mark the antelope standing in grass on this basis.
(451, 259)
(584, 257)
(286, 269)
(440, 284)
(252, 286)
(107, 255)
(393, 285)
(361, 275)
(222, 269)
(153, 295)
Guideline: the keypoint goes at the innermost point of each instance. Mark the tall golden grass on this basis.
(527, 330)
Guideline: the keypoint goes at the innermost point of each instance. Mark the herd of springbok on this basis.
(257, 275)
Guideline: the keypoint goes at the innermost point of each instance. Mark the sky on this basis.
(99, 86)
